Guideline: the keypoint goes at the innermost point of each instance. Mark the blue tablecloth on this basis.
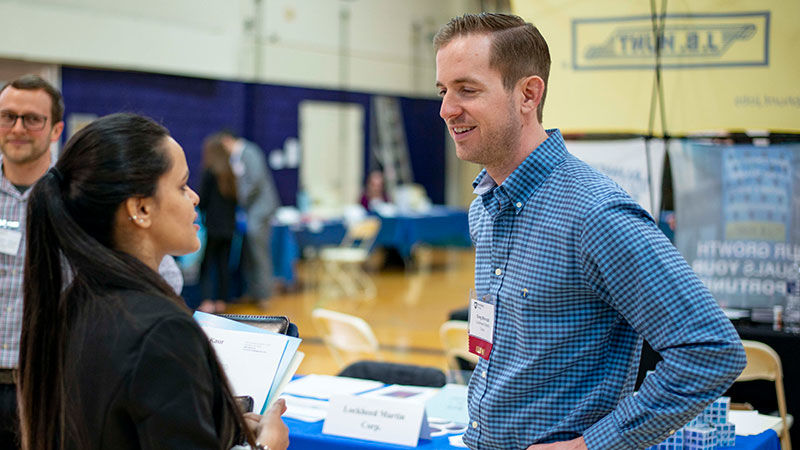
(303, 435)
(438, 226)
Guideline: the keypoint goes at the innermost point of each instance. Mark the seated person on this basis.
(113, 359)
(374, 192)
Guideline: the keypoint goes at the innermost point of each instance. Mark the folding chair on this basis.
(455, 340)
(763, 363)
(347, 337)
(343, 265)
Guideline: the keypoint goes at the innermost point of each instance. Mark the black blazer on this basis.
(142, 374)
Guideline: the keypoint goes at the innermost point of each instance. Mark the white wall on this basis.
(362, 45)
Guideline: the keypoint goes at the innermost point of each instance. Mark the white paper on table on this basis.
(450, 403)
(457, 441)
(401, 392)
(749, 423)
(325, 386)
(250, 360)
(305, 409)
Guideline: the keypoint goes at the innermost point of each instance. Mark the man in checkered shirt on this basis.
(576, 271)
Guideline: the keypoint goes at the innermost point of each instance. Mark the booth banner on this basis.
(737, 211)
(725, 64)
(625, 162)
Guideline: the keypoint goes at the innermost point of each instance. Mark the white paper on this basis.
(281, 383)
(749, 423)
(250, 361)
(305, 409)
(326, 386)
(450, 404)
(375, 419)
(284, 372)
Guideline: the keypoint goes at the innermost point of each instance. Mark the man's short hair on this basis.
(518, 49)
(32, 82)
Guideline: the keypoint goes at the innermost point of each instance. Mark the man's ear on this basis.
(532, 89)
(55, 132)
(139, 210)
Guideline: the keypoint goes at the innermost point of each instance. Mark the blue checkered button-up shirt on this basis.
(579, 273)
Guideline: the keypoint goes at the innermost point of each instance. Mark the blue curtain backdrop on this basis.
(193, 108)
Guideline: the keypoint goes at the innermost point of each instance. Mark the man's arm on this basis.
(638, 272)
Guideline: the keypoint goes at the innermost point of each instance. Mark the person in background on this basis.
(570, 272)
(111, 357)
(218, 205)
(374, 191)
(31, 112)
(258, 197)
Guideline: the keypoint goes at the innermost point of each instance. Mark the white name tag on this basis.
(375, 419)
(9, 241)
(481, 320)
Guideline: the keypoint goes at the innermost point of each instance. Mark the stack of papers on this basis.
(749, 423)
(257, 362)
(324, 387)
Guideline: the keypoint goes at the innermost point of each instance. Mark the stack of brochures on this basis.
(257, 362)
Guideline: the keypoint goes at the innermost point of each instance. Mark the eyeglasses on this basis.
(31, 122)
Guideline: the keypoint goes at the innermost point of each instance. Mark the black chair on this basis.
(395, 373)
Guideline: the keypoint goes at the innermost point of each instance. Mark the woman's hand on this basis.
(269, 429)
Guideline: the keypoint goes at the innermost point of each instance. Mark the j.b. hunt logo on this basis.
(689, 40)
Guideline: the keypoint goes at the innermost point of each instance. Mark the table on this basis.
(304, 435)
(441, 226)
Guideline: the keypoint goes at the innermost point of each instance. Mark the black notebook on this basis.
(276, 324)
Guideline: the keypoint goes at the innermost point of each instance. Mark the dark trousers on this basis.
(216, 257)
(9, 421)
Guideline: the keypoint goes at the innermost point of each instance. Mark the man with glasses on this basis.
(30, 120)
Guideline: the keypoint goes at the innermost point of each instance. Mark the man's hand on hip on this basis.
(575, 444)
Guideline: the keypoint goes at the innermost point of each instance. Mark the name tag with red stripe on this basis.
(481, 325)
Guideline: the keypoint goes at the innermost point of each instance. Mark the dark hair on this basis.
(32, 82)
(518, 49)
(71, 215)
(216, 159)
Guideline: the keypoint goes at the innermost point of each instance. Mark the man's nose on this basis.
(449, 108)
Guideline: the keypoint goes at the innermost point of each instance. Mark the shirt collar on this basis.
(528, 176)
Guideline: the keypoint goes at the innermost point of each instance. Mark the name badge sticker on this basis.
(481, 325)
(9, 241)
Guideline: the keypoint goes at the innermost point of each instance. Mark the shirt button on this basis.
(671, 431)
(474, 424)
(497, 272)
(483, 374)
(519, 204)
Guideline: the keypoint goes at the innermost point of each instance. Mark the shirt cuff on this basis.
(605, 434)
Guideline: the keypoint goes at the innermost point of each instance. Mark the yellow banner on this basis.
(727, 65)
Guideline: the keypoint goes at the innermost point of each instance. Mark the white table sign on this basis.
(376, 419)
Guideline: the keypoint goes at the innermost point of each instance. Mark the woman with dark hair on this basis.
(218, 204)
(110, 356)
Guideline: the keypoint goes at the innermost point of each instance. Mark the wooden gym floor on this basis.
(405, 315)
